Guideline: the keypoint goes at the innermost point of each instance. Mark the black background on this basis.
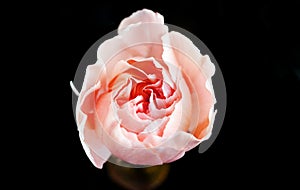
(257, 48)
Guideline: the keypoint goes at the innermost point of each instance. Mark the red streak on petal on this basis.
(160, 132)
(112, 83)
(141, 137)
(200, 128)
(130, 61)
(143, 108)
(158, 91)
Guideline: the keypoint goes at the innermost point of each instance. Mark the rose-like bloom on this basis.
(149, 97)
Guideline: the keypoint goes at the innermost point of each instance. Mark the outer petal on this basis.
(143, 16)
(91, 142)
(117, 141)
(197, 70)
(91, 77)
(176, 146)
(140, 40)
(122, 144)
(95, 150)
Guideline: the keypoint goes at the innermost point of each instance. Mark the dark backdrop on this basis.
(257, 48)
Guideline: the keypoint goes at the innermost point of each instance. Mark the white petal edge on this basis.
(141, 16)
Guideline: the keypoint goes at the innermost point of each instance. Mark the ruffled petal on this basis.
(140, 40)
(176, 146)
(126, 146)
(94, 148)
(129, 118)
(141, 16)
(91, 142)
(197, 69)
(120, 142)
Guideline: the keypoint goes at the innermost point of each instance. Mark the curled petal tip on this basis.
(74, 89)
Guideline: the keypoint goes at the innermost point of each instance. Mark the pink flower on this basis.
(149, 97)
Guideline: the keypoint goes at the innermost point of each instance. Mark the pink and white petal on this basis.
(144, 116)
(91, 142)
(188, 119)
(184, 48)
(122, 86)
(91, 78)
(144, 33)
(206, 133)
(165, 73)
(182, 118)
(85, 107)
(148, 66)
(129, 119)
(152, 135)
(140, 40)
(94, 148)
(121, 94)
(141, 16)
(168, 101)
(97, 160)
(109, 129)
(176, 146)
(120, 142)
(187, 55)
(155, 127)
(86, 100)
(167, 90)
(155, 112)
(118, 69)
(153, 140)
(169, 58)
(92, 75)
(128, 148)
(175, 120)
(210, 88)
(197, 69)
(106, 114)
(109, 113)
(154, 68)
(156, 64)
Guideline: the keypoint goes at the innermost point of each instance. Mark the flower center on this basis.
(145, 89)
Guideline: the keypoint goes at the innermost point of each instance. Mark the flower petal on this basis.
(91, 78)
(176, 146)
(155, 112)
(130, 120)
(144, 16)
(92, 144)
(120, 142)
(197, 69)
(140, 40)
(126, 146)
(94, 148)
(153, 130)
